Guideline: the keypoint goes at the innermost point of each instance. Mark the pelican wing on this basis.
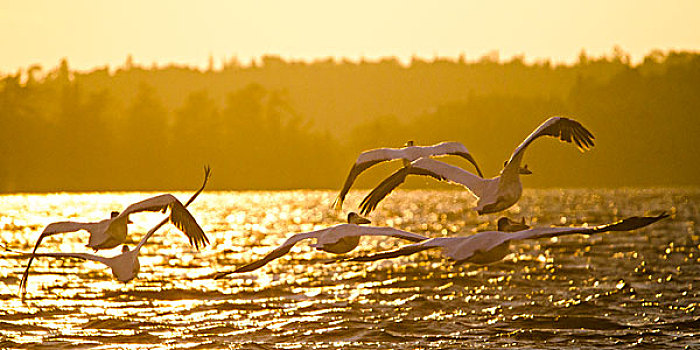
(67, 226)
(33, 254)
(426, 167)
(402, 251)
(207, 175)
(372, 157)
(183, 220)
(627, 224)
(276, 253)
(451, 148)
(81, 256)
(158, 203)
(179, 216)
(565, 129)
(347, 230)
(356, 170)
(52, 229)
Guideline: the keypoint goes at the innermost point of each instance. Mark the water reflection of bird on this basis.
(408, 154)
(338, 239)
(110, 233)
(494, 194)
(491, 246)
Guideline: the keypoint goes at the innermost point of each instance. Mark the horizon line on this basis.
(225, 62)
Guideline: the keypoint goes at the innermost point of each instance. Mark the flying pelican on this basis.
(338, 239)
(109, 233)
(491, 246)
(494, 194)
(408, 154)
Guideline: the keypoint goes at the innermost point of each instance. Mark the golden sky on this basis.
(92, 33)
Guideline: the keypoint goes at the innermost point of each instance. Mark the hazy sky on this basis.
(92, 33)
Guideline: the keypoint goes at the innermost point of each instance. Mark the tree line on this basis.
(285, 124)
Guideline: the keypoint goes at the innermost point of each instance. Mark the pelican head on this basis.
(115, 213)
(354, 218)
(524, 170)
(507, 225)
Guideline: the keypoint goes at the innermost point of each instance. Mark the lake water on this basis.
(625, 289)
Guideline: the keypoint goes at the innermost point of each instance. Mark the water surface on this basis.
(626, 289)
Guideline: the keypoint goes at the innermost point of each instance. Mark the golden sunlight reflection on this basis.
(642, 279)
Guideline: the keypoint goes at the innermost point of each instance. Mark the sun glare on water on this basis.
(641, 280)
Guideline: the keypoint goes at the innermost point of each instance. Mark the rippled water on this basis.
(626, 289)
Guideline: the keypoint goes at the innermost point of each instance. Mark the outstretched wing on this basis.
(627, 224)
(81, 256)
(402, 251)
(356, 170)
(567, 130)
(51, 229)
(340, 232)
(33, 254)
(372, 157)
(182, 219)
(276, 253)
(371, 201)
(179, 216)
(452, 148)
(426, 167)
(157, 203)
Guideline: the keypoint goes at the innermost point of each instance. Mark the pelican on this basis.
(338, 239)
(408, 154)
(110, 233)
(491, 246)
(494, 194)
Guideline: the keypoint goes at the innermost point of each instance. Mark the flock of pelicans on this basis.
(494, 195)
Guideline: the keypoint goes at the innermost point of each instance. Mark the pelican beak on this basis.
(362, 220)
(525, 171)
(514, 226)
(507, 225)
